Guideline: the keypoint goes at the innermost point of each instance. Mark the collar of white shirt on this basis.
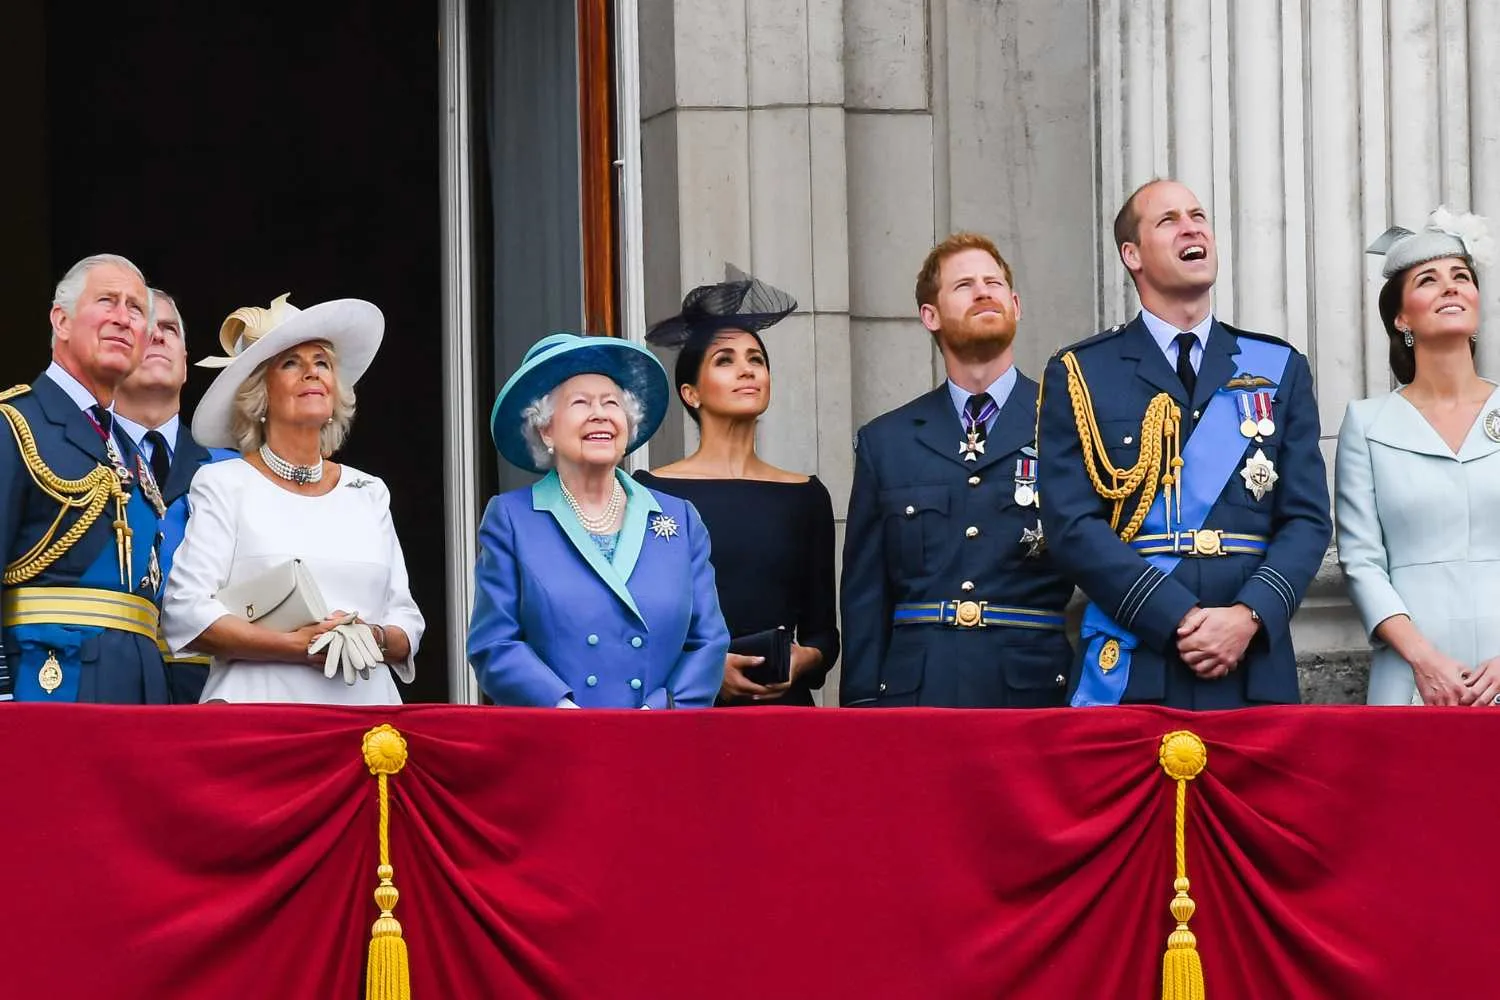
(999, 391)
(137, 431)
(74, 388)
(1165, 335)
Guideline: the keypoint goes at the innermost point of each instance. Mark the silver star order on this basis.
(1259, 474)
(663, 526)
(1034, 540)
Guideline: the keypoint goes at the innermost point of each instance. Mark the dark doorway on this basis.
(236, 152)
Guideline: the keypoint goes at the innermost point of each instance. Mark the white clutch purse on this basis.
(284, 598)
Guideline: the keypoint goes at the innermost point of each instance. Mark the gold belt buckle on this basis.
(1208, 543)
(969, 614)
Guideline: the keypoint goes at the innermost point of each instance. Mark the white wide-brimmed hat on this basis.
(252, 335)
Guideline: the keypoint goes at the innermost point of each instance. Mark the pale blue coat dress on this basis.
(1419, 533)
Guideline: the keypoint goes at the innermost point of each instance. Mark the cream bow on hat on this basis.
(253, 335)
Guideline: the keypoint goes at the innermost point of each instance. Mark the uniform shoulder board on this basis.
(13, 392)
(1253, 335)
(1102, 335)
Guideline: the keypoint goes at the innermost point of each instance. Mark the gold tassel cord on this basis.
(1183, 757)
(88, 496)
(388, 973)
(1158, 465)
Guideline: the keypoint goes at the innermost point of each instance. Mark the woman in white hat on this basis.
(1418, 480)
(591, 591)
(286, 532)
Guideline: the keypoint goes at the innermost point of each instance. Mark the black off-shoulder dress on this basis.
(773, 551)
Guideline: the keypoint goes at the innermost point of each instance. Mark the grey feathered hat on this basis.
(1445, 235)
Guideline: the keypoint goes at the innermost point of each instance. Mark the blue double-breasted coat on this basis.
(1124, 369)
(554, 619)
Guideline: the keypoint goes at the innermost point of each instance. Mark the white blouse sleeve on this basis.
(200, 567)
(400, 610)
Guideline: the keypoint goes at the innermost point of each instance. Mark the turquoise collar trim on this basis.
(640, 504)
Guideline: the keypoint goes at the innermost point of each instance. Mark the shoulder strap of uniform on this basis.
(14, 391)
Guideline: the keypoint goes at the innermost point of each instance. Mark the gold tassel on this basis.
(1183, 757)
(387, 975)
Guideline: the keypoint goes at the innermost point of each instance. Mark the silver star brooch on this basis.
(663, 526)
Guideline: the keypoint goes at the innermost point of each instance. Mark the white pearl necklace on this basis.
(302, 475)
(597, 525)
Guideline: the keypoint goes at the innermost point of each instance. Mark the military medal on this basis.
(1109, 655)
(1246, 404)
(151, 582)
(1259, 474)
(1263, 414)
(971, 447)
(1025, 482)
(50, 676)
(1492, 425)
(149, 487)
(1034, 540)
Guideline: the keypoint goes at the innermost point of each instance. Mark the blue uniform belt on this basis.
(83, 606)
(1201, 544)
(975, 614)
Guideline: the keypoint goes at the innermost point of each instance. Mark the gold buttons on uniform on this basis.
(971, 532)
(973, 480)
(910, 510)
(967, 586)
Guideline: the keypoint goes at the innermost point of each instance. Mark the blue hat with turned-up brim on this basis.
(553, 360)
(1446, 235)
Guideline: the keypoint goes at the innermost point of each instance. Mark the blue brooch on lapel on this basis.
(663, 526)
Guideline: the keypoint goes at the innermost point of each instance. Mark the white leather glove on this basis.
(348, 646)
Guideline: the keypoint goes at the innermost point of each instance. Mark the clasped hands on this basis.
(348, 644)
(1212, 641)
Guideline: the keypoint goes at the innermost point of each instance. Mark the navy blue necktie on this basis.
(1185, 363)
(161, 460)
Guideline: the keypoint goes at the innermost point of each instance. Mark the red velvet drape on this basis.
(230, 852)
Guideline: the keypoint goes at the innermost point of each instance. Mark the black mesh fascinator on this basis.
(739, 302)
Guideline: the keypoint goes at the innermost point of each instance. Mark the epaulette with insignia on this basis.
(1253, 335)
(14, 391)
(1102, 335)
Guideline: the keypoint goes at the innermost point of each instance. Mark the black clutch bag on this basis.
(775, 644)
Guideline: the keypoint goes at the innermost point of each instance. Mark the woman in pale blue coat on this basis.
(1418, 481)
(591, 591)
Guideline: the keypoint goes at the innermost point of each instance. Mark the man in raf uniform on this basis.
(949, 596)
(79, 509)
(1182, 486)
(147, 409)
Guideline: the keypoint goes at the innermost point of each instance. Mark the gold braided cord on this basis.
(1183, 757)
(1157, 466)
(88, 495)
(387, 970)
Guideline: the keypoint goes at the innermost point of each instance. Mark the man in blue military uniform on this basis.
(147, 408)
(79, 509)
(949, 596)
(1182, 486)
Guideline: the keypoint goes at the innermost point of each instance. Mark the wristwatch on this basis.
(1254, 617)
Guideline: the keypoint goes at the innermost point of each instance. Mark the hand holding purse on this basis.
(775, 645)
(283, 599)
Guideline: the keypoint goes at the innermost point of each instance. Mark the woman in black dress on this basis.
(771, 530)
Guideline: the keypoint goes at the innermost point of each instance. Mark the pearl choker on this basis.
(302, 475)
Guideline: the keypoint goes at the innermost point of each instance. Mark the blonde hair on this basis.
(253, 402)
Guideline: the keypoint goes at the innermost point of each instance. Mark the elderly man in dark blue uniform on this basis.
(79, 508)
(949, 596)
(147, 409)
(1182, 486)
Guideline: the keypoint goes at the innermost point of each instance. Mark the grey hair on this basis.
(539, 414)
(157, 293)
(70, 288)
(252, 402)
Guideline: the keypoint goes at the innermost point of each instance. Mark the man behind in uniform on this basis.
(79, 509)
(949, 596)
(1182, 485)
(147, 408)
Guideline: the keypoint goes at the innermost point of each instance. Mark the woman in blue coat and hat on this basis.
(591, 590)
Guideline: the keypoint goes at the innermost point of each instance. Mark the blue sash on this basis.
(1209, 460)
